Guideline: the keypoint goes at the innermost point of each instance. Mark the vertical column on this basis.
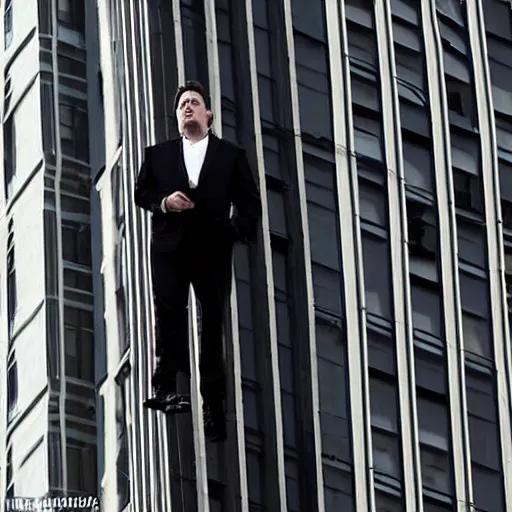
(267, 257)
(60, 279)
(448, 243)
(315, 455)
(237, 496)
(352, 269)
(490, 180)
(129, 162)
(178, 37)
(399, 259)
(144, 133)
(160, 470)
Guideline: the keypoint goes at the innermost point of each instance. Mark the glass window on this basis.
(338, 485)
(377, 275)
(286, 368)
(417, 166)
(9, 155)
(122, 461)
(45, 16)
(423, 240)
(385, 438)
(333, 391)
(474, 295)
(12, 296)
(7, 23)
(76, 242)
(74, 128)
(72, 14)
(78, 280)
(381, 351)
(415, 121)
(468, 192)
(368, 138)
(465, 153)
(362, 46)
(308, 18)
(497, 18)
(323, 233)
(48, 117)
(426, 310)
(500, 59)
(471, 243)
(81, 467)
(372, 203)
(484, 440)
(277, 212)
(313, 84)
(12, 388)
(79, 341)
(254, 479)
(387, 503)
(430, 369)
(194, 42)
(450, 9)
(434, 445)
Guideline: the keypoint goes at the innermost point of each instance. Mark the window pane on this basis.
(376, 275)
(426, 314)
(434, 445)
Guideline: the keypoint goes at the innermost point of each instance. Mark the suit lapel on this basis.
(181, 161)
(213, 146)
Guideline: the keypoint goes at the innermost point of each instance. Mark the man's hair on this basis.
(191, 85)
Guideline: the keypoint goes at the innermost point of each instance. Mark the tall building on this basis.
(368, 340)
(53, 140)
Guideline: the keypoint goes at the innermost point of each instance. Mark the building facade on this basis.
(52, 138)
(369, 342)
(368, 339)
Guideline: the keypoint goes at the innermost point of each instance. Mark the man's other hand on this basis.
(178, 201)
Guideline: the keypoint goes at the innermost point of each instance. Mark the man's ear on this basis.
(209, 113)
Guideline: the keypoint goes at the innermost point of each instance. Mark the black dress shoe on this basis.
(214, 422)
(170, 403)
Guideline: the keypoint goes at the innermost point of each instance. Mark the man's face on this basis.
(192, 113)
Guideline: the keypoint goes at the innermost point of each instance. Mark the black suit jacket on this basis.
(225, 179)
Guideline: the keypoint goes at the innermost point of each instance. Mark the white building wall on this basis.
(29, 253)
(24, 20)
(31, 475)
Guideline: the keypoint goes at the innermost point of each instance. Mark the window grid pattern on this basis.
(429, 365)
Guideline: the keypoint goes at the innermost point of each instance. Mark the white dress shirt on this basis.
(194, 154)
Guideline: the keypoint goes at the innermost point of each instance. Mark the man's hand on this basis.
(178, 201)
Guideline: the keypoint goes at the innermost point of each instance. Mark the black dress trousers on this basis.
(206, 262)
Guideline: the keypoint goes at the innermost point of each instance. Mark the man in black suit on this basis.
(189, 185)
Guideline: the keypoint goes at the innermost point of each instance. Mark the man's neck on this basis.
(194, 136)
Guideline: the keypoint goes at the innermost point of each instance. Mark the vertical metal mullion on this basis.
(351, 249)
(315, 413)
(233, 350)
(203, 502)
(137, 454)
(148, 453)
(178, 37)
(157, 425)
(448, 241)
(146, 290)
(60, 271)
(490, 179)
(269, 271)
(399, 260)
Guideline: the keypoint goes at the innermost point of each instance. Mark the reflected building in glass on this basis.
(368, 339)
